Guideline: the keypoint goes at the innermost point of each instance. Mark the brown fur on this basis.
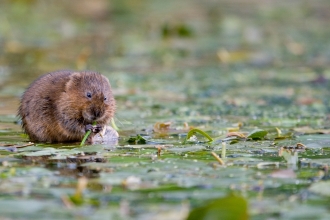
(56, 108)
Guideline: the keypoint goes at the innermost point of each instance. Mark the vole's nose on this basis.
(96, 113)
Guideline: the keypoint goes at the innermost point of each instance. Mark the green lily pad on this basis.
(138, 139)
(257, 134)
(230, 207)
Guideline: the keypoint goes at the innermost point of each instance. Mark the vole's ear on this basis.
(74, 80)
(75, 75)
(105, 78)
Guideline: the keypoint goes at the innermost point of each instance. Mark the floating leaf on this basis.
(257, 134)
(162, 127)
(230, 207)
(235, 134)
(195, 130)
(138, 139)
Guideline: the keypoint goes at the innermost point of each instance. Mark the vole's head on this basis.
(89, 98)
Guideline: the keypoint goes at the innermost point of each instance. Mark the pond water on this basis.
(228, 68)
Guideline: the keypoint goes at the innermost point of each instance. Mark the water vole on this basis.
(61, 106)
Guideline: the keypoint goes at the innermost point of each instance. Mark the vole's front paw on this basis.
(89, 127)
(97, 128)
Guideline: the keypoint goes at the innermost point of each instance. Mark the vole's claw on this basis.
(97, 128)
(89, 127)
(93, 128)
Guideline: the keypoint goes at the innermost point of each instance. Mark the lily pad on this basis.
(138, 139)
(230, 207)
(257, 134)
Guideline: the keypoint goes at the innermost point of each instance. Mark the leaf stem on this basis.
(221, 162)
(114, 124)
(196, 130)
(86, 135)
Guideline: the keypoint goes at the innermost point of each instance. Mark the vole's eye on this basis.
(89, 95)
(105, 98)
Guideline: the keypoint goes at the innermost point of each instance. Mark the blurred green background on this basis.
(146, 37)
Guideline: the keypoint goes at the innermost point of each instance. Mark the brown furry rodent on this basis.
(61, 106)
